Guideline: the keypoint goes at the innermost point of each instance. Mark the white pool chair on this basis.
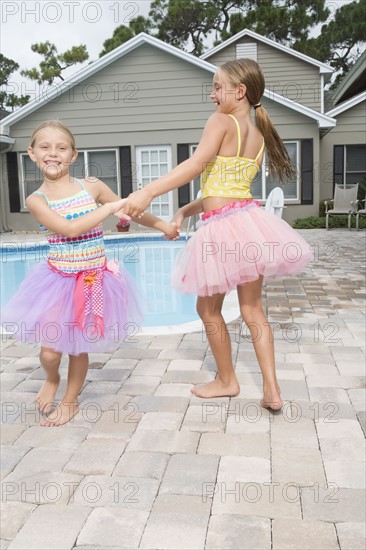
(275, 202)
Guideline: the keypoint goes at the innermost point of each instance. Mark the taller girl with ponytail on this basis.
(237, 243)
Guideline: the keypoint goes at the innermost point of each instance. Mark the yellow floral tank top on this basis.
(230, 177)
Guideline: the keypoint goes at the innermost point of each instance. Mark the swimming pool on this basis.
(148, 259)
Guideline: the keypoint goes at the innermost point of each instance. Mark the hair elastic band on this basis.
(257, 105)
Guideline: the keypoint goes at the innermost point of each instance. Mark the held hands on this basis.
(171, 232)
(136, 203)
(178, 219)
(118, 209)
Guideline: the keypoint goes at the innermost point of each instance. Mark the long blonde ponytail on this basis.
(249, 73)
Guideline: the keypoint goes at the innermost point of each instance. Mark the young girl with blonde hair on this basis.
(75, 302)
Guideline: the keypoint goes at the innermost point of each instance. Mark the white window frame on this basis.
(345, 171)
(22, 182)
(192, 193)
(264, 174)
(111, 149)
(85, 152)
(143, 148)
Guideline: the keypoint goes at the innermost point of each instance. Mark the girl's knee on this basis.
(251, 313)
(50, 357)
(207, 314)
(200, 309)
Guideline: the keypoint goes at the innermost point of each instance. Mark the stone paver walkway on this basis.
(145, 464)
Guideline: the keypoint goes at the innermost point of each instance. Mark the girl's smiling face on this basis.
(225, 94)
(53, 152)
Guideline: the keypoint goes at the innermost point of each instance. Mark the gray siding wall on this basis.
(148, 97)
(171, 106)
(144, 91)
(285, 74)
(350, 130)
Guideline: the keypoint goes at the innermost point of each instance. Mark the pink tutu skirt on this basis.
(43, 311)
(236, 244)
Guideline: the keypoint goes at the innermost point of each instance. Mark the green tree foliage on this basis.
(9, 100)
(187, 24)
(54, 63)
(339, 42)
(184, 23)
(286, 21)
(122, 33)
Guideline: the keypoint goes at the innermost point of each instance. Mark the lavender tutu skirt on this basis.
(43, 312)
(236, 244)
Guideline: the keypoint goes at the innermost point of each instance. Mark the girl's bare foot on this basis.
(46, 395)
(272, 399)
(217, 388)
(63, 413)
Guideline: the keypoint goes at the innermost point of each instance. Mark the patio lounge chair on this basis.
(361, 212)
(345, 203)
(275, 202)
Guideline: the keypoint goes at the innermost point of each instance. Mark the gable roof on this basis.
(347, 104)
(353, 82)
(323, 68)
(96, 66)
(324, 121)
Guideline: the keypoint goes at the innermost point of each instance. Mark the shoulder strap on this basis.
(260, 151)
(80, 183)
(42, 195)
(238, 129)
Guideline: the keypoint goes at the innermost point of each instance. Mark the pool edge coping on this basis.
(230, 311)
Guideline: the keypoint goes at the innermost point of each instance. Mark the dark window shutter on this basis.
(307, 171)
(338, 165)
(13, 181)
(183, 191)
(125, 170)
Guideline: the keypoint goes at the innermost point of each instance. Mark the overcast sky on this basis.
(66, 23)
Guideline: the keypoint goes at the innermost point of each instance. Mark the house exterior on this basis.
(141, 109)
(343, 148)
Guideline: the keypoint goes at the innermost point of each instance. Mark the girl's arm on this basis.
(191, 209)
(104, 194)
(38, 207)
(149, 220)
(207, 149)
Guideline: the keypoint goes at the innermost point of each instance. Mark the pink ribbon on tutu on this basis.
(227, 208)
(88, 298)
(88, 293)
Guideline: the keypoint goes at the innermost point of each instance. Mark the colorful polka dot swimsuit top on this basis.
(230, 176)
(75, 254)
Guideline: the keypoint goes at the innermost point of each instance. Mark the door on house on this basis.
(153, 162)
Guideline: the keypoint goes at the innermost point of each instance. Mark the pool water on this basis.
(149, 260)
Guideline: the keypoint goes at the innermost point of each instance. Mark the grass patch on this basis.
(315, 222)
